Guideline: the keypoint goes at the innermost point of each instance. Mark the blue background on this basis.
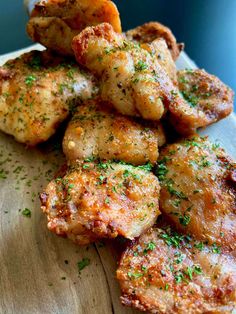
(208, 28)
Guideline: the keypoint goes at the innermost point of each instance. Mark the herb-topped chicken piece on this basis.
(198, 191)
(159, 49)
(99, 131)
(37, 92)
(131, 78)
(95, 200)
(54, 23)
(208, 100)
(168, 273)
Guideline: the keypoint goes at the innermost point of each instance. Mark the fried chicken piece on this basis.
(159, 49)
(208, 100)
(166, 273)
(95, 130)
(101, 200)
(148, 32)
(131, 77)
(54, 23)
(198, 191)
(37, 91)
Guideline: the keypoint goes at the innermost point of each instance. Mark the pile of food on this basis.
(136, 168)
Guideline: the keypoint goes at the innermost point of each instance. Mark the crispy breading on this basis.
(131, 77)
(97, 200)
(99, 131)
(54, 23)
(159, 48)
(37, 91)
(164, 272)
(198, 191)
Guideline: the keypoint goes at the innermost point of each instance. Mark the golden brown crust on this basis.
(98, 131)
(54, 23)
(198, 191)
(37, 91)
(207, 100)
(166, 273)
(101, 200)
(159, 49)
(131, 77)
(149, 32)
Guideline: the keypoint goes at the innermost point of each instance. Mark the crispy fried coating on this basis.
(148, 32)
(96, 130)
(198, 191)
(97, 200)
(159, 48)
(167, 273)
(208, 100)
(37, 91)
(54, 23)
(131, 77)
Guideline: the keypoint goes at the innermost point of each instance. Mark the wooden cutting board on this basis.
(39, 271)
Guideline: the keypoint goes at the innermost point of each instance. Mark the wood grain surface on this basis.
(39, 271)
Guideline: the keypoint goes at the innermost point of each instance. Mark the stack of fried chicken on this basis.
(125, 100)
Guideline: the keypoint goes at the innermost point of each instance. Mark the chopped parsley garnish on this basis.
(26, 212)
(71, 73)
(216, 248)
(161, 170)
(140, 66)
(179, 277)
(199, 246)
(184, 220)
(134, 275)
(150, 247)
(191, 142)
(107, 200)
(3, 174)
(173, 192)
(190, 98)
(147, 167)
(174, 239)
(29, 80)
(83, 263)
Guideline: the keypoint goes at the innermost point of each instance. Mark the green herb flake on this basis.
(83, 263)
(199, 246)
(184, 220)
(216, 248)
(29, 80)
(3, 174)
(26, 212)
(134, 275)
(141, 66)
(150, 247)
(174, 239)
(179, 277)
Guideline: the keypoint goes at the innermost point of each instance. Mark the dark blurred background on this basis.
(207, 27)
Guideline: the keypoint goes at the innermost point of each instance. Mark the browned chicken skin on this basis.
(37, 91)
(101, 200)
(131, 78)
(159, 49)
(198, 191)
(54, 23)
(148, 32)
(98, 131)
(164, 272)
(207, 101)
